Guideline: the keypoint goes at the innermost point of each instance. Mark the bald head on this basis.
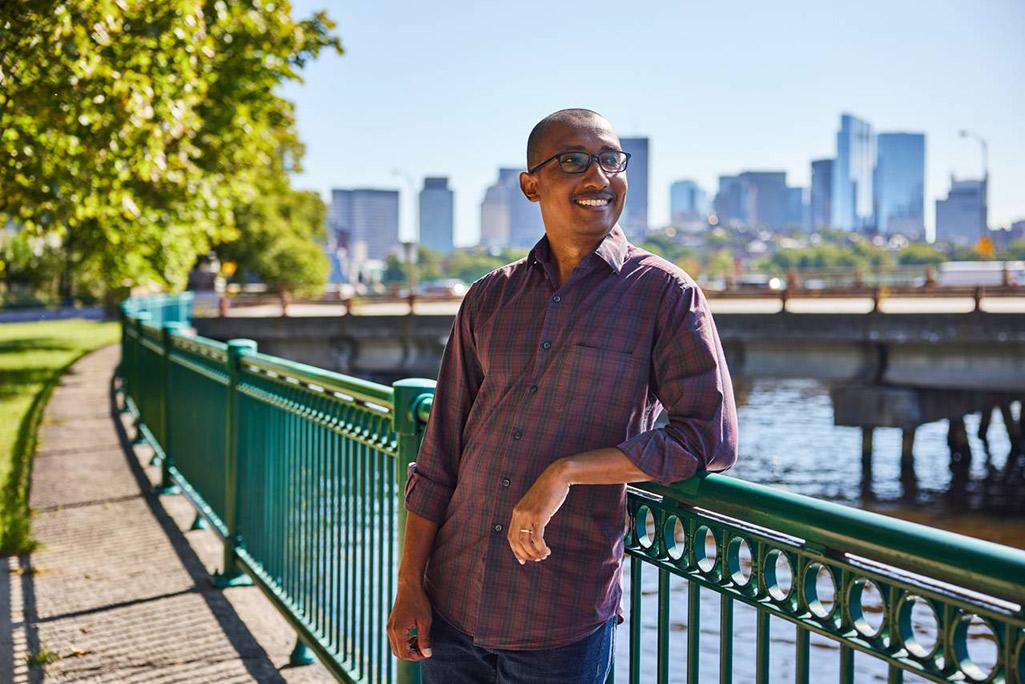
(566, 117)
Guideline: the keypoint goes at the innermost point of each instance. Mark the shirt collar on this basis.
(612, 250)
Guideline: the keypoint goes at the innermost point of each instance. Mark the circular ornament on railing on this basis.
(918, 625)
(819, 588)
(674, 537)
(739, 561)
(779, 575)
(706, 550)
(644, 527)
(867, 608)
(976, 648)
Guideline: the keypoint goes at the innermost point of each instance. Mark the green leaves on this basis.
(137, 130)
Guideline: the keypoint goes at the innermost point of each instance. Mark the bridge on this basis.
(300, 472)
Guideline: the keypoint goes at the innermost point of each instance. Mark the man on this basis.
(549, 388)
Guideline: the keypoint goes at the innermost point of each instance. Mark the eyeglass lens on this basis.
(577, 162)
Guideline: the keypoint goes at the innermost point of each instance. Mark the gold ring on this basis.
(526, 531)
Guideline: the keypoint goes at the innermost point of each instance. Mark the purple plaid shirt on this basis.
(533, 372)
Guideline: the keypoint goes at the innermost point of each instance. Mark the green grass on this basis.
(33, 356)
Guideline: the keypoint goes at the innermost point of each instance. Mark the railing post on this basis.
(135, 386)
(230, 575)
(124, 366)
(412, 400)
(167, 485)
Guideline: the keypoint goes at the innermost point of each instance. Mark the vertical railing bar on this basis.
(636, 567)
(846, 664)
(364, 622)
(762, 647)
(725, 640)
(350, 545)
(379, 517)
(663, 626)
(693, 632)
(802, 646)
(894, 675)
(392, 496)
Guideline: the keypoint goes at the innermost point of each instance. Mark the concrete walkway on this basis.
(118, 590)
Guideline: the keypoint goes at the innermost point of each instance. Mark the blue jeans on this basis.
(456, 660)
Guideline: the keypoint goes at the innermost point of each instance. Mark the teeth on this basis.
(593, 202)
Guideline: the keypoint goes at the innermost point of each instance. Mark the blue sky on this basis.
(453, 88)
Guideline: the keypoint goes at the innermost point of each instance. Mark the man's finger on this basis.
(423, 638)
(538, 539)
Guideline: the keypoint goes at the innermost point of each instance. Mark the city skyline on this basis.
(929, 72)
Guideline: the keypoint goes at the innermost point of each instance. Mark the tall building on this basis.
(899, 184)
(961, 217)
(730, 204)
(688, 203)
(365, 222)
(635, 214)
(797, 209)
(852, 200)
(507, 217)
(821, 193)
(436, 215)
(766, 198)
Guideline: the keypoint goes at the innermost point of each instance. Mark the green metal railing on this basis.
(301, 471)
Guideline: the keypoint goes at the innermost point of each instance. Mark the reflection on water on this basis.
(788, 441)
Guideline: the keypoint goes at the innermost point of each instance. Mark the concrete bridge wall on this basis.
(977, 351)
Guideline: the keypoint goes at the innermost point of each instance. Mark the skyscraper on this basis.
(688, 203)
(436, 215)
(797, 210)
(365, 222)
(507, 218)
(821, 193)
(960, 218)
(731, 206)
(635, 214)
(900, 184)
(852, 200)
(766, 198)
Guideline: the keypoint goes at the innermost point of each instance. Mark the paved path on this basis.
(118, 591)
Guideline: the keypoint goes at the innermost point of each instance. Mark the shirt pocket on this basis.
(608, 389)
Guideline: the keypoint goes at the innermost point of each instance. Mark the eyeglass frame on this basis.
(592, 159)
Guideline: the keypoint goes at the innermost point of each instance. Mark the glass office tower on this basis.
(900, 184)
(852, 200)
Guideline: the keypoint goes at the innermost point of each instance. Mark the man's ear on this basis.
(528, 185)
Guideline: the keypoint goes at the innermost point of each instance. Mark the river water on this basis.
(788, 441)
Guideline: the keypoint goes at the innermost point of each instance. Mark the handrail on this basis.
(988, 567)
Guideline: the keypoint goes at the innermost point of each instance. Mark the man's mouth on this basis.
(592, 201)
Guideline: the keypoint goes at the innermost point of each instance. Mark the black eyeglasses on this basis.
(610, 161)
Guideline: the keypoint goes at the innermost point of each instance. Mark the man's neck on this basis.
(568, 252)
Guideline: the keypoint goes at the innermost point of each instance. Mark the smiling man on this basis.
(549, 388)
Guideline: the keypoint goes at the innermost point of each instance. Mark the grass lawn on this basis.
(33, 356)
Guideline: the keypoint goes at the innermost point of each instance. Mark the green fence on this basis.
(301, 473)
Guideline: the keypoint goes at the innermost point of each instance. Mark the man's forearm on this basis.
(599, 466)
(416, 548)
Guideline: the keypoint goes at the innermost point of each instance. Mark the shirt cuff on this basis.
(660, 457)
(426, 498)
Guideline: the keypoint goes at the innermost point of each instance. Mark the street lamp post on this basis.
(985, 177)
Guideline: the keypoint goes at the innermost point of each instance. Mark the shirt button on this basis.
(532, 389)
(546, 345)
(556, 299)
(498, 527)
(517, 434)
(506, 482)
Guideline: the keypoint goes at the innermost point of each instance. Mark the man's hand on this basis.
(412, 610)
(531, 515)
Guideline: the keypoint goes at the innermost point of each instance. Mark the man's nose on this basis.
(595, 176)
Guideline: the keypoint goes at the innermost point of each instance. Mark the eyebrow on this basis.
(574, 148)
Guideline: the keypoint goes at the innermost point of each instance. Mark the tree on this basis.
(132, 130)
(920, 253)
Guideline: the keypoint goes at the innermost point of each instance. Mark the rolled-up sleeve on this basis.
(689, 377)
(432, 478)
